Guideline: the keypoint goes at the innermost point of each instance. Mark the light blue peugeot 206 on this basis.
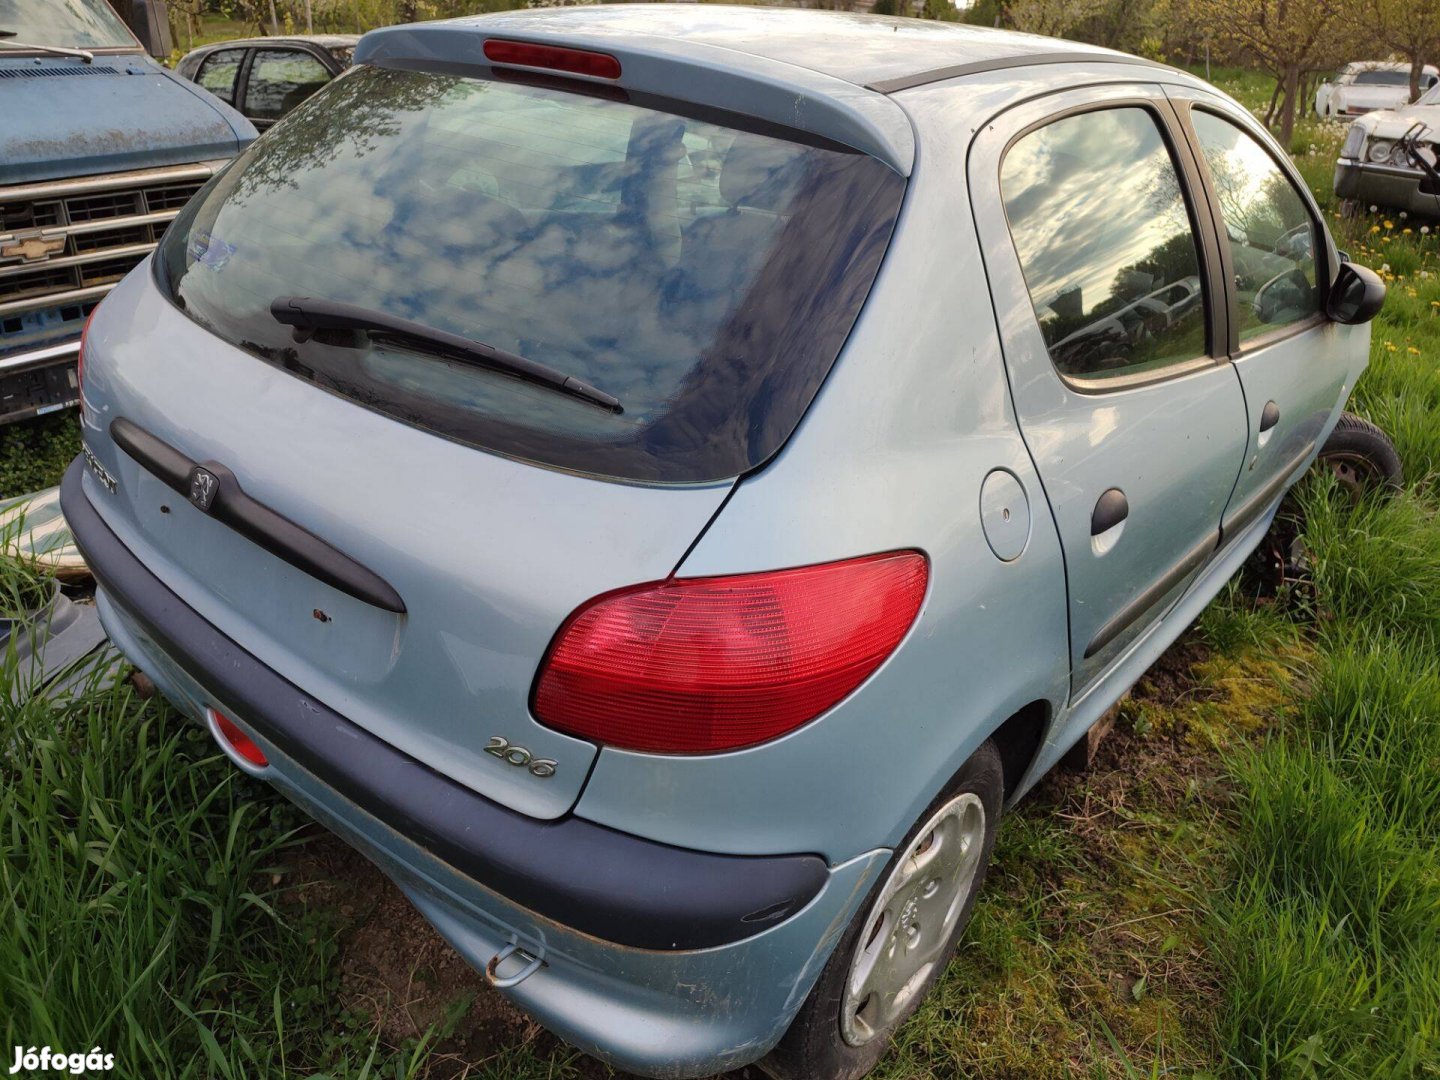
(660, 480)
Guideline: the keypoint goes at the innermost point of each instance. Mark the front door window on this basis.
(1271, 235)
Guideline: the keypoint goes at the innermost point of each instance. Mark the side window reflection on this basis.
(279, 80)
(1270, 233)
(1104, 237)
(217, 73)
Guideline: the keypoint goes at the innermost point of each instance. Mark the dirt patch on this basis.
(395, 969)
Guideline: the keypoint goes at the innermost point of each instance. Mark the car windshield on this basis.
(1431, 96)
(1382, 78)
(72, 24)
(702, 268)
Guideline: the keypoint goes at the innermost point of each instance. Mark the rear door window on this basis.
(702, 268)
(1104, 236)
(279, 80)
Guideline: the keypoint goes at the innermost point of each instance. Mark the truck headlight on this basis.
(1380, 150)
(1354, 142)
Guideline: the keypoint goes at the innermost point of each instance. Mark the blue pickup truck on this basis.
(100, 147)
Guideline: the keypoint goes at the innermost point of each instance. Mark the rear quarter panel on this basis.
(891, 455)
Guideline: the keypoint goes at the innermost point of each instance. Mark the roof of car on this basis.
(325, 41)
(868, 50)
(1357, 66)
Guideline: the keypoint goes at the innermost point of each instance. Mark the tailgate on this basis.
(489, 555)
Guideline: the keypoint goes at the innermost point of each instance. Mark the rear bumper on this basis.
(658, 959)
(1387, 186)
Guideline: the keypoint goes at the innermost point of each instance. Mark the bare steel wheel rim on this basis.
(912, 919)
(1354, 472)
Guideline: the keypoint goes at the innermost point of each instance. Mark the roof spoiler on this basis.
(688, 71)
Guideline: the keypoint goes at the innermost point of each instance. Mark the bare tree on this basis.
(1287, 38)
(1053, 18)
(1410, 28)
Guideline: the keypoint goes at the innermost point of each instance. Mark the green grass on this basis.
(1328, 931)
(1247, 884)
(133, 869)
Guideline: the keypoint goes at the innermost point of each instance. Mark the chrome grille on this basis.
(106, 225)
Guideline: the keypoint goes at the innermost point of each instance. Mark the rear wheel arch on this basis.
(1019, 739)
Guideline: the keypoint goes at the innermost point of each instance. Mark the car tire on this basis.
(1361, 457)
(830, 1038)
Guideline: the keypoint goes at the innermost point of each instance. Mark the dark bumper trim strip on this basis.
(602, 882)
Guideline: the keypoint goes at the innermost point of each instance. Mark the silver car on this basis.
(267, 77)
(661, 480)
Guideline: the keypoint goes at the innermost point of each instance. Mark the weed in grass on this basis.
(1374, 711)
(1376, 564)
(1331, 927)
(22, 590)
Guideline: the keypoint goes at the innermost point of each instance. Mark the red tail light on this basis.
(699, 665)
(553, 58)
(242, 743)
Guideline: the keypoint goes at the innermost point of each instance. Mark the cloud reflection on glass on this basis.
(704, 275)
(1104, 237)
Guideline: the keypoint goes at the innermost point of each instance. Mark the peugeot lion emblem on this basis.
(203, 486)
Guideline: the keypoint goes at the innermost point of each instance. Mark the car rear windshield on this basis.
(703, 269)
(1382, 78)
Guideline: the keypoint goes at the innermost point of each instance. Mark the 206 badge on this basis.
(518, 756)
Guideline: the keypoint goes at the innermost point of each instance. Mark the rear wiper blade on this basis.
(55, 50)
(308, 314)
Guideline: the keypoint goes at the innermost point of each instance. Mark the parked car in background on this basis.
(1360, 88)
(267, 77)
(552, 458)
(1390, 158)
(100, 147)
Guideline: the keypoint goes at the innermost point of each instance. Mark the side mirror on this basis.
(1356, 295)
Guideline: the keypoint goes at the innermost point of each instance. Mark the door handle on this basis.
(1110, 510)
(1269, 416)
